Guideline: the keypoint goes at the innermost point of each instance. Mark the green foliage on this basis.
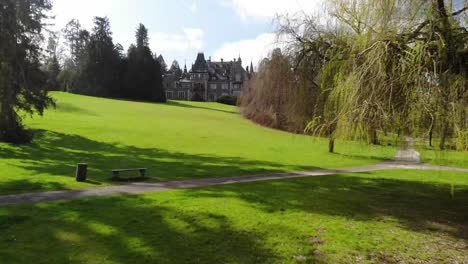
(395, 66)
(227, 99)
(53, 71)
(196, 97)
(99, 67)
(102, 67)
(143, 76)
(22, 82)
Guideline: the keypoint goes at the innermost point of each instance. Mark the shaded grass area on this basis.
(378, 217)
(178, 140)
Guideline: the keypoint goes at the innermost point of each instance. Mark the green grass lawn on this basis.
(444, 158)
(178, 140)
(378, 217)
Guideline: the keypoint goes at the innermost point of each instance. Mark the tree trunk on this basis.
(430, 136)
(373, 139)
(331, 144)
(431, 132)
(463, 119)
(443, 135)
(10, 127)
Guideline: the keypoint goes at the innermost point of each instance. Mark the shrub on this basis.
(227, 99)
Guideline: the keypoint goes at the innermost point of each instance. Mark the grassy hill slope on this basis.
(177, 140)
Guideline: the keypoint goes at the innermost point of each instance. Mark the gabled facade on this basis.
(207, 80)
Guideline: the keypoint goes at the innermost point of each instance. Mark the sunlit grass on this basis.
(378, 217)
(178, 140)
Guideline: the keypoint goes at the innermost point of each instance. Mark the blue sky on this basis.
(178, 29)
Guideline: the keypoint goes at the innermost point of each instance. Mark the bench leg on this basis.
(142, 173)
(116, 174)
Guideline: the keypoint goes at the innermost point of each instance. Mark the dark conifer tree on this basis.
(102, 67)
(52, 65)
(143, 78)
(22, 83)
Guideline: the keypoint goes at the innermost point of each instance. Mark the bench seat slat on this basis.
(129, 169)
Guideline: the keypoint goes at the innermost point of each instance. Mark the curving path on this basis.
(404, 159)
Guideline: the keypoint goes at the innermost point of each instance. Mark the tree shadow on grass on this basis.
(360, 156)
(181, 104)
(420, 206)
(166, 229)
(118, 230)
(27, 186)
(55, 154)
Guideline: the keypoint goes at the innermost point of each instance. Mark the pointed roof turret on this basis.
(200, 63)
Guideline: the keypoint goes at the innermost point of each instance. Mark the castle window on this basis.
(225, 86)
(181, 95)
(213, 86)
(238, 77)
(168, 94)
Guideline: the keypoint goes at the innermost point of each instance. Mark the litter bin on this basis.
(81, 170)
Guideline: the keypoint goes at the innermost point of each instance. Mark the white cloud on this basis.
(250, 49)
(193, 7)
(267, 9)
(188, 39)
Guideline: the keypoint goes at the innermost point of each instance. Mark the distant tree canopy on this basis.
(390, 66)
(22, 82)
(143, 77)
(96, 66)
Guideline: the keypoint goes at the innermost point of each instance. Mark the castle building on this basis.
(207, 80)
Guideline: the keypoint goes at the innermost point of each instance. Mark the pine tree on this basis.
(22, 83)
(143, 78)
(52, 63)
(102, 67)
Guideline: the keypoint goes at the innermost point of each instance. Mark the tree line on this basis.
(93, 64)
(368, 68)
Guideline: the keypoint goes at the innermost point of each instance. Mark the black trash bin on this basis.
(81, 171)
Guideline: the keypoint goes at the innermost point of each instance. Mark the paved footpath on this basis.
(404, 159)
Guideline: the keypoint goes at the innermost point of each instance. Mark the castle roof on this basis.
(200, 63)
(218, 70)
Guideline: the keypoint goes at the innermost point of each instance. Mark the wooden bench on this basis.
(116, 173)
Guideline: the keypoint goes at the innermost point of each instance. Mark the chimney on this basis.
(222, 60)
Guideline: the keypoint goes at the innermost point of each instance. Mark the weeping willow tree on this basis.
(385, 66)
